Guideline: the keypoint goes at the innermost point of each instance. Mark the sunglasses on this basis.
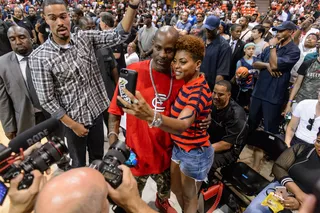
(311, 121)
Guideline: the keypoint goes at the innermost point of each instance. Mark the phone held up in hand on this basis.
(127, 79)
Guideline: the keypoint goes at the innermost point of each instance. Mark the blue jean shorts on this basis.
(196, 163)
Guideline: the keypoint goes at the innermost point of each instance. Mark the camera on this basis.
(117, 154)
(40, 159)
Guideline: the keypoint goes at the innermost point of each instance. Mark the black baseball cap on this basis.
(286, 25)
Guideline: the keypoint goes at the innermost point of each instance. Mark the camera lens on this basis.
(41, 159)
(119, 151)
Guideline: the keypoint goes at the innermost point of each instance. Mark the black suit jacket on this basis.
(237, 54)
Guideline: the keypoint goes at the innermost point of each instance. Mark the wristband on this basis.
(133, 6)
(113, 133)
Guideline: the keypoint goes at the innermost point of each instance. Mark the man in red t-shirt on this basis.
(153, 147)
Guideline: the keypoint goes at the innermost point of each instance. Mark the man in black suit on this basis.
(237, 46)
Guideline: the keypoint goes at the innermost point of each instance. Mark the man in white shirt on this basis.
(131, 56)
(246, 32)
(19, 105)
(305, 122)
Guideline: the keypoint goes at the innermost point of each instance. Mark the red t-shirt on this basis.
(152, 146)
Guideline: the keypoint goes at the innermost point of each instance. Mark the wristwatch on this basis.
(272, 46)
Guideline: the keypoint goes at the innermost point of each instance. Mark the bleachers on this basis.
(244, 6)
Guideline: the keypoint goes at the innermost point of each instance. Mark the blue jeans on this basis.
(196, 163)
(255, 206)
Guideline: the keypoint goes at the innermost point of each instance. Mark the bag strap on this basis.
(244, 35)
(218, 198)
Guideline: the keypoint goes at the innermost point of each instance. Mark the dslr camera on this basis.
(40, 159)
(117, 154)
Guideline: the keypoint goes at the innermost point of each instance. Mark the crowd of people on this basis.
(209, 75)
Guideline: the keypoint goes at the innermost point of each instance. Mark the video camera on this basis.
(40, 159)
(117, 154)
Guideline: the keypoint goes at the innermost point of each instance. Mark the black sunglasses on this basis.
(311, 121)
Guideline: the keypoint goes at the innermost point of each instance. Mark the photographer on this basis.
(72, 192)
(24, 200)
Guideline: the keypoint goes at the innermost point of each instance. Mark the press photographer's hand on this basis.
(24, 200)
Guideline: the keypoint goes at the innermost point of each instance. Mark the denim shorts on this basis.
(196, 163)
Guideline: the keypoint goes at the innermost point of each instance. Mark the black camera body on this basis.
(40, 159)
(117, 154)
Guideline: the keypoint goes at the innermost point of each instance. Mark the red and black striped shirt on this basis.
(195, 95)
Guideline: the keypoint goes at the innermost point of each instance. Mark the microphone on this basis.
(33, 135)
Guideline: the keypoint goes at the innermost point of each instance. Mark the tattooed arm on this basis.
(113, 125)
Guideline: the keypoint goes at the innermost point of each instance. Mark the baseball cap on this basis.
(286, 25)
(212, 22)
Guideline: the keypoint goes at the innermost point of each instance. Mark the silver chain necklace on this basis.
(161, 99)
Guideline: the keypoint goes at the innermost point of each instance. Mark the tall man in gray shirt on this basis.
(68, 81)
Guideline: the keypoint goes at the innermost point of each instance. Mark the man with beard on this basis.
(268, 97)
(246, 32)
(183, 26)
(145, 37)
(19, 104)
(32, 17)
(68, 81)
(228, 127)
(24, 22)
(153, 147)
(216, 62)
(198, 29)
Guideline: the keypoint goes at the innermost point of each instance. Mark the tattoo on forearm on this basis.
(114, 123)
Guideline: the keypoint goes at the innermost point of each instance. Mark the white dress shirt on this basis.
(23, 67)
(233, 47)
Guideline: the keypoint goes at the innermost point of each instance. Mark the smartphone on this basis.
(3, 192)
(9, 16)
(127, 79)
(281, 191)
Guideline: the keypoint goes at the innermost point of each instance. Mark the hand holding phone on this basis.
(281, 192)
(128, 80)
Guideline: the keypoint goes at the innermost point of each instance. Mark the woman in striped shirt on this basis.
(192, 155)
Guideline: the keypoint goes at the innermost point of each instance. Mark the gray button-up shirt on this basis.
(68, 80)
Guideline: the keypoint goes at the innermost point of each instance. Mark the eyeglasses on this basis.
(311, 121)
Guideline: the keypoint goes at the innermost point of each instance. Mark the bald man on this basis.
(84, 190)
(19, 104)
(152, 147)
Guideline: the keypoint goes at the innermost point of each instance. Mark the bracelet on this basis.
(133, 6)
(156, 121)
(113, 133)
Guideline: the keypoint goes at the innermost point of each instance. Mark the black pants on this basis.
(221, 160)
(78, 145)
(271, 113)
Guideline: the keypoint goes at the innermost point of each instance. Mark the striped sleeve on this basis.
(198, 99)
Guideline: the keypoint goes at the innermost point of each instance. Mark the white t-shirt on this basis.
(305, 110)
(131, 58)
(245, 35)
